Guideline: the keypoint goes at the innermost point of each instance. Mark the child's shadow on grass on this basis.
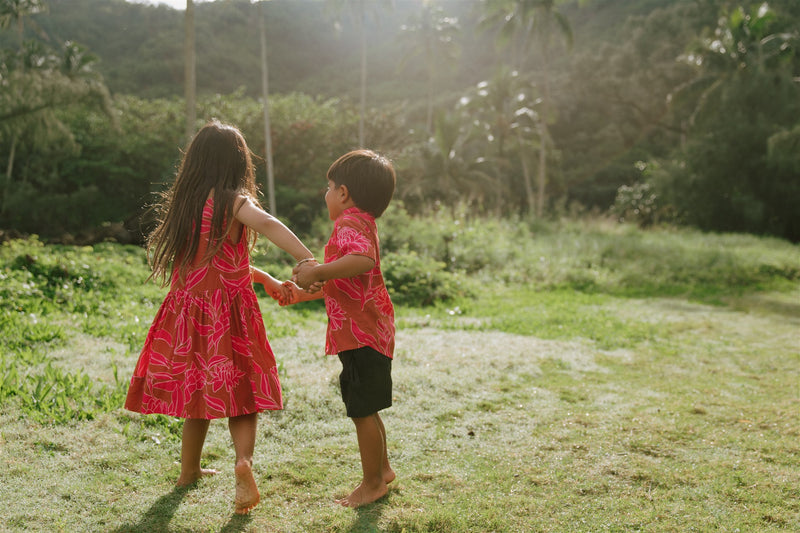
(159, 514)
(367, 516)
(238, 522)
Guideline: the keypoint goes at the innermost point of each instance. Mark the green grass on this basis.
(631, 381)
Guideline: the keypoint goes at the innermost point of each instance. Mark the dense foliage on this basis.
(685, 111)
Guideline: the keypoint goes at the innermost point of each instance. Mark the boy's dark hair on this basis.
(369, 177)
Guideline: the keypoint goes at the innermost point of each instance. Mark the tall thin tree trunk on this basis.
(20, 31)
(189, 69)
(526, 173)
(267, 126)
(363, 79)
(545, 137)
(542, 172)
(431, 75)
(9, 172)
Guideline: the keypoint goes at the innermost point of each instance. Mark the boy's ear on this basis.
(344, 193)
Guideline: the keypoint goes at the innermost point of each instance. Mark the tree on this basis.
(742, 44)
(267, 127)
(358, 11)
(504, 113)
(447, 171)
(744, 99)
(16, 11)
(189, 79)
(38, 83)
(429, 35)
(521, 24)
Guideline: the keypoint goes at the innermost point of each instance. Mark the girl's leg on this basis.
(388, 473)
(372, 449)
(243, 432)
(194, 436)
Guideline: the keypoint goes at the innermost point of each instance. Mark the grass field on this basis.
(597, 379)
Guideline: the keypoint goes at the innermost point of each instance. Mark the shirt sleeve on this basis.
(353, 237)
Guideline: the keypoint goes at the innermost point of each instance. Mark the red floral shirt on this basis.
(360, 312)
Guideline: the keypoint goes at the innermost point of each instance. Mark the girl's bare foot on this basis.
(388, 476)
(363, 495)
(186, 479)
(247, 495)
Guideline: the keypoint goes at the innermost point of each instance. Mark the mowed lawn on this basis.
(521, 408)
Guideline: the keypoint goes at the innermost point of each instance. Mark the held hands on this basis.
(281, 294)
(295, 293)
(303, 276)
(272, 286)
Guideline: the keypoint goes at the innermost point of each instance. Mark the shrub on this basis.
(636, 203)
(416, 280)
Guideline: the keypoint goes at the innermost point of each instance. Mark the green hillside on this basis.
(680, 112)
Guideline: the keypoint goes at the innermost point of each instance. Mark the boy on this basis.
(360, 313)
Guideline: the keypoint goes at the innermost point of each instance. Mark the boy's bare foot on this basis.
(388, 476)
(247, 495)
(184, 480)
(362, 495)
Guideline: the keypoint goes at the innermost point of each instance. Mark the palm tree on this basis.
(267, 127)
(506, 115)
(39, 82)
(15, 12)
(190, 80)
(742, 44)
(358, 12)
(430, 35)
(523, 23)
(447, 172)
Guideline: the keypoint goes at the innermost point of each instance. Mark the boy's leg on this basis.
(388, 473)
(372, 448)
(194, 436)
(243, 432)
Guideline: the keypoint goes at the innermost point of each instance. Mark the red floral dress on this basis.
(207, 354)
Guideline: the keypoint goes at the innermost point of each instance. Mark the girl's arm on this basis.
(273, 229)
(348, 266)
(297, 295)
(273, 286)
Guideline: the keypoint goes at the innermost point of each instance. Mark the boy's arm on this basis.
(348, 266)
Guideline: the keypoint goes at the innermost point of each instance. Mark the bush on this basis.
(636, 203)
(415, 280)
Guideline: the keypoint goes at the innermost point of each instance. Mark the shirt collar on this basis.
(356, 211)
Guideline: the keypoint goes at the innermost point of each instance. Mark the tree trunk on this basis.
(431, 75)
(545, 137)
(267, 126)
(189, 69)
(9, 171)
(542, 171)
(363, 79)
(526, 173)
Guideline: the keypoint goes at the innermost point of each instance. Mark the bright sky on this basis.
(177, 4)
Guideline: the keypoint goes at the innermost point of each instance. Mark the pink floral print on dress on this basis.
(207, 354)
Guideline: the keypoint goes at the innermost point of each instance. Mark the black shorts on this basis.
(366, 381)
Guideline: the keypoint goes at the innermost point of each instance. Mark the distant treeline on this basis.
(685, 111)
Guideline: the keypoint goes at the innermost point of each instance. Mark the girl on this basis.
(207, 355)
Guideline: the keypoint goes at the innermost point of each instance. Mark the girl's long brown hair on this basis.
(217, 160)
